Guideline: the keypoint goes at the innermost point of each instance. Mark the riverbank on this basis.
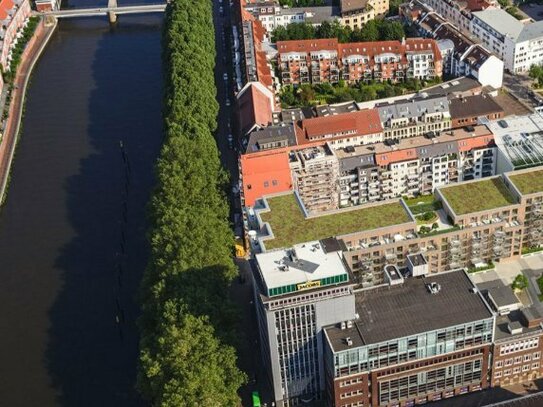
(30, 56)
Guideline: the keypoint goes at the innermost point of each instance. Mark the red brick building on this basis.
(325, 60)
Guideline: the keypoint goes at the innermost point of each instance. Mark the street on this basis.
(520, 86)
(241, 290)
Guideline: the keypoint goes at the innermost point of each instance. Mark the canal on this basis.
(72, 232)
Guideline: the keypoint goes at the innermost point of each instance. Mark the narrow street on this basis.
(241, 290)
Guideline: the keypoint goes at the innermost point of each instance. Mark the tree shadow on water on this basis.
(93, 340)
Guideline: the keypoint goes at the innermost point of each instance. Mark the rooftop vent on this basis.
(348, 341)
(433, 288)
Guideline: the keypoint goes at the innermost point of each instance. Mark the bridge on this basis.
(111, 10)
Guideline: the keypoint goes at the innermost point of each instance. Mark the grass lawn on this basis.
(478, 196)
(419, 200)
(529, 182)
(290, 227)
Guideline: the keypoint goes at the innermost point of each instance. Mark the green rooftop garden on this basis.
(478, 196)
(290, 227)
(528, 182)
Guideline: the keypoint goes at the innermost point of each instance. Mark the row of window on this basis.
(516, 370)
(518, 359)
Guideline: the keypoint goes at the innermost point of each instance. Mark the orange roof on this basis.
(254, 108)
(343, 125)
(372, 48)
(262, 68)
(396, 156)
(418, 44)
(5, 7)
(467, 144)
(264, 174)
(307, 45)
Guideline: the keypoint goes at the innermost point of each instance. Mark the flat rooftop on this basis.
(520, 139)
(290, 227)
(387, 313)
(477, 196)
(528, 182)
(515, 318)
(301, 264)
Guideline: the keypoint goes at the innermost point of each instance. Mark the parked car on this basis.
(230, 141)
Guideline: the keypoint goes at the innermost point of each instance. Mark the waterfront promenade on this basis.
(31, 54)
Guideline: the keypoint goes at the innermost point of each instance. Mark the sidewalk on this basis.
(31, 54)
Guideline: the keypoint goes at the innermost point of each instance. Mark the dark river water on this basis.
(72, 233)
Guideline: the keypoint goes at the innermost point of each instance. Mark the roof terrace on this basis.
(477, 196)
(290, 226)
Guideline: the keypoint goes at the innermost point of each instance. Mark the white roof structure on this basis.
(519, 138)
(302, 264)
(504, 23)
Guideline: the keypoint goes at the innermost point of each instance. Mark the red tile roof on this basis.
(396, 156)
(254, 108)
(344, 125)
(307, 45)
(5, 7)
(265, 173)
(370, 48)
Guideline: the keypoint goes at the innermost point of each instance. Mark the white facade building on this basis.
(272, 15)
(519, 45)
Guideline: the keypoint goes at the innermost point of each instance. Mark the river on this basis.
(72, 232)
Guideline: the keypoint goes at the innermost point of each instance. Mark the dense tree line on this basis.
(187, 323)
(310, 95)
(374, 30)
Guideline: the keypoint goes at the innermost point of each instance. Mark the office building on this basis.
(435, 345)
(297, 292)
(516, 353)
(461, 55)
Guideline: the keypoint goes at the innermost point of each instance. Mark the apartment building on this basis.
(272, 15)
(356, 13)
(436, 345)
(308, 61)
(415, 166)
(414, 117)
(315, 173)
(477, 223)
(296, 293)
(406, 147)
(468, 111)
(519, 45)
(461, 55)
(13, 18)
(517, 347)
(318, 61)
(273, 164)
(255, 93)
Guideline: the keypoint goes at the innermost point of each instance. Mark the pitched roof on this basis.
(307, 45)
(347, 6)
(344, 125)
(255, 108)
(473, 106)
(5, 7)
